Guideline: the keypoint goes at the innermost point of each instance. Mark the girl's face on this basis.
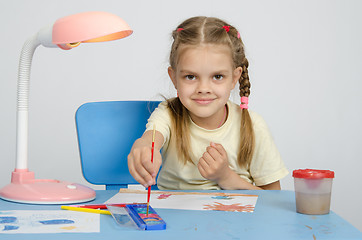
(204, 78)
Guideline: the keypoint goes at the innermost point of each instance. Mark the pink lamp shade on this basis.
(89, 27)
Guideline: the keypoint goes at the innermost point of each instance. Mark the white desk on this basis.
(274, 217)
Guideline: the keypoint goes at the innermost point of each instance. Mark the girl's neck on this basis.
(211, 123)
(224, 118)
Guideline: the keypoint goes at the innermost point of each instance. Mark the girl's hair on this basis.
(196, 31)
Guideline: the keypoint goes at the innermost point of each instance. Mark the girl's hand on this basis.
(139, 159)
(214, 164)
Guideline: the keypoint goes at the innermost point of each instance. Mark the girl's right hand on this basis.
(139, 159)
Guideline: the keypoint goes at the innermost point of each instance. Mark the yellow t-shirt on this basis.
(266, 165)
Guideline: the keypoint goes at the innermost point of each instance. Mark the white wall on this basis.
(305, 68)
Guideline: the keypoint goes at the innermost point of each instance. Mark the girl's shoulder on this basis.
(257, 120)
(235, 108)
(162, 106)
(160, 112)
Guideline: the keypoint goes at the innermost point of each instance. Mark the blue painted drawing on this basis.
(7, 219)
(222, 197)
(57, 221)
(47, 221)
(10, 227)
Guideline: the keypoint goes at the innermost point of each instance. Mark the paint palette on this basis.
(138, 213)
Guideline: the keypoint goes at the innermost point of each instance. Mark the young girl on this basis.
(207, 141)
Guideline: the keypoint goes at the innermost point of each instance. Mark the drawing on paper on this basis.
(164, 196)
(222, 197)
(237, 207)
(10, 227)
(56, 221)
(7, 219)
(214, 201)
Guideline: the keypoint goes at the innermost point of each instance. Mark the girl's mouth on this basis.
(203, 101)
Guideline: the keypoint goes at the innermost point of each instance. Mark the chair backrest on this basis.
(106, 132)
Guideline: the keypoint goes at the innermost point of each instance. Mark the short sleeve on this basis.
(160, 118)
(266, 166)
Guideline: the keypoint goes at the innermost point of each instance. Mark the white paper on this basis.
(48, 221)
(189, 200)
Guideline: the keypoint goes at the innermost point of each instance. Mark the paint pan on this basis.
(152, 221)
(132, 215)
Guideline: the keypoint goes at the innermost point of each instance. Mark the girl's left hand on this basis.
(214, 164)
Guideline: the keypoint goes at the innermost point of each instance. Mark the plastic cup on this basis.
(313, 190)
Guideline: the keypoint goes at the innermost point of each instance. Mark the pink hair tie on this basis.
(244, 102)
(227, 28)
(179, 29)
(238, 35)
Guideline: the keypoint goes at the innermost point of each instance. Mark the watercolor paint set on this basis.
(136, 214)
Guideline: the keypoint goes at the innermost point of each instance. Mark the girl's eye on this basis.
(218, 77)
(190, 77)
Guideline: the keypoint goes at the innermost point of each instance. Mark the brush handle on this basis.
(152, 150)
(149, 188)
(149, 195)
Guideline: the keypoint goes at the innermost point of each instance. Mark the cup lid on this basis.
(313, 173)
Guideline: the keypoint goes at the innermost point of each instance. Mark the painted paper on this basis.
(217, 201)
(51, 221)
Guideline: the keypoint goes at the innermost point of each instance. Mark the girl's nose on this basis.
(203, 87)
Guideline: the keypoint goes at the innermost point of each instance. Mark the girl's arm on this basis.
(139, 159)
(234, 182)
(272, 186)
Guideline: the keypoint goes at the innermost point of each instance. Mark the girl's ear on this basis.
(236, 75)
(172, 75)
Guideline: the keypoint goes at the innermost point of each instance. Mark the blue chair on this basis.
(106, 132)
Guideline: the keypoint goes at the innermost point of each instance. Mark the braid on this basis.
(246, 148)
(244, 83)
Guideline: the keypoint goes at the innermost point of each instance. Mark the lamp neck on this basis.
(26, 58)
(45, 37)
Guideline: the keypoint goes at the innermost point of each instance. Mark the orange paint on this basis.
(237, 207)
(308, 227)
(164, 196)
(152, 216)
(69, 228)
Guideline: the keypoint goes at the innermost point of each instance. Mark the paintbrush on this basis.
(152, 150)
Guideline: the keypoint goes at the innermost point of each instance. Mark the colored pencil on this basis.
(99, 206)
(92, 206)
(89, 210)
(152, 150)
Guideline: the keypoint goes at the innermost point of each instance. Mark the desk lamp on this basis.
(66, 33)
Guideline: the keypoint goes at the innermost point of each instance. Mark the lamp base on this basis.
(24, 188)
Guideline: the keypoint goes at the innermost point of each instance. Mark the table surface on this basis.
(274, 217)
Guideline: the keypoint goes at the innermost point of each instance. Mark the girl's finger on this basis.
(140, 167)
(214, 153)
(209, 160)
(219, 148)
(146, 170)
(133, 171)
(201, 169)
